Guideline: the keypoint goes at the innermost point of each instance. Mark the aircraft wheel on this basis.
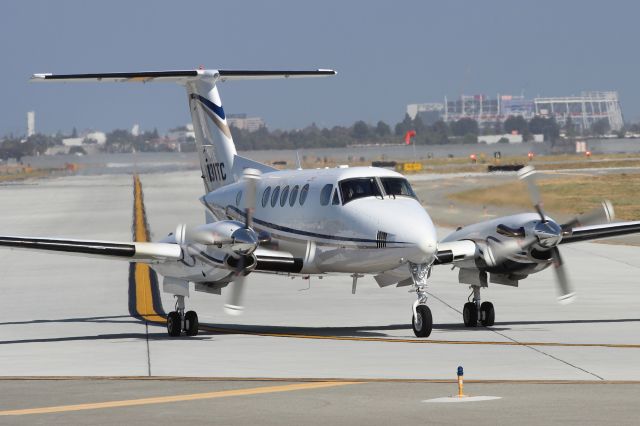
(423, 323)
(191, 323)
(174, 326)
(470, 314)
(487, 314)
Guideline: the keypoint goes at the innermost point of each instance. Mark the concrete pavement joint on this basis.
(524, 344)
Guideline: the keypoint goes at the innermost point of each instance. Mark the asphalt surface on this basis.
(70, 316)
(311, 403)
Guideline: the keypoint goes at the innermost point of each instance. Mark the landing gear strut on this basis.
(475, 311)
(421, 320)
(179, 321)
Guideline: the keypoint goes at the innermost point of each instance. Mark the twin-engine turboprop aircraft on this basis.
(354, 221)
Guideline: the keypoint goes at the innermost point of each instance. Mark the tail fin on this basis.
(214, 143)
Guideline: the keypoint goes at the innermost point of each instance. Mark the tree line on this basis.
(465, 130)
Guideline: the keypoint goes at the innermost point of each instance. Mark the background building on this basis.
(584, 110)
(241, 121)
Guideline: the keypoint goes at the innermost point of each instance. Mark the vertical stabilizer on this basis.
(214, 143)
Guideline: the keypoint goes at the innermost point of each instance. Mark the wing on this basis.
(596, 232)
(130, 252)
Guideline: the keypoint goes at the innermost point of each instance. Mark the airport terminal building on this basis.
(584, 110)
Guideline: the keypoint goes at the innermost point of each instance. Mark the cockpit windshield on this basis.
(394, 186)
(355, 188)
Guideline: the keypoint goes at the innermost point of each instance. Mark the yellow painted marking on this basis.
(418, 341)
(316, 380)
(144, 295)
(174, 398)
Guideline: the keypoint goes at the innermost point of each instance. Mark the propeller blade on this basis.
(566, 294)
(247, 241)
(602, 214)
(251, 178)
(528, 174)
(234, 304)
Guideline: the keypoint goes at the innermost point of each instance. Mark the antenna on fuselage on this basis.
(298, 162)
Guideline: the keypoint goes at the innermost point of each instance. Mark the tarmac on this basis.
(79, 331)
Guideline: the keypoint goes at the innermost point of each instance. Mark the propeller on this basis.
(249, 241)
(602, 214)
(545, 234)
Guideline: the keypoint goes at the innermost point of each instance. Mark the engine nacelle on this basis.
(218, 233)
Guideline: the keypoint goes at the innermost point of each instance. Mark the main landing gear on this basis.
(421, 320)
(179, 321)
(475, 311)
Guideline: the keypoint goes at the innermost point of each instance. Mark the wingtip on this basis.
(39, 77)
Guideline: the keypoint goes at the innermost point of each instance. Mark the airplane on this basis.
(352, 221)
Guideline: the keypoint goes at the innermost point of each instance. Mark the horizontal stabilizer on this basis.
(181, 76)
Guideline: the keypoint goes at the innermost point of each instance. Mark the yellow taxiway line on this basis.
(346, 380)
(174, 398)
(144, 295)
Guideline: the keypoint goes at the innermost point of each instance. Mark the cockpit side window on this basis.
(352, 189)
(325, 194)
(336, 198)
(394, 186)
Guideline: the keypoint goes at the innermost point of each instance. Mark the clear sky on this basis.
(387, 53)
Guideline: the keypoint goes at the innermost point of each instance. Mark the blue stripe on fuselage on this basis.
(310, 234)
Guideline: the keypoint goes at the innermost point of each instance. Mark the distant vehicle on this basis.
(353, 221)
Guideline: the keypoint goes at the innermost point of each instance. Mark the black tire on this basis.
(191, 323)
(422, 325)
(470, 315)
(174, 326)
(487, 314)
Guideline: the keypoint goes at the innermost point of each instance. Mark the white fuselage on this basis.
(371, 234)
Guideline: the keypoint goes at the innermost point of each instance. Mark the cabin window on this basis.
(352, 189)
(303, 194)
(294, 195)
(394, 186)
(238, 198)
(284, 196)
(274, 196)
(325, 194)
(265, 196)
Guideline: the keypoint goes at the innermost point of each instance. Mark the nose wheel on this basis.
(179, 321)
(422, 321)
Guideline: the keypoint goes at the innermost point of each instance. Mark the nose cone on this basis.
(413, 226)
(424, 239)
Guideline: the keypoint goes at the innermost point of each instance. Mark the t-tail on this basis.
(219, 161)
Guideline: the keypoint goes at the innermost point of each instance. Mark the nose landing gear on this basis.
(179, 321)
(422, 321)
